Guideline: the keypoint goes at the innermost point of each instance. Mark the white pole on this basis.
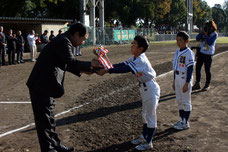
(93, 24)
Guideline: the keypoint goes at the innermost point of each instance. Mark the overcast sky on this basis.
(211, 3)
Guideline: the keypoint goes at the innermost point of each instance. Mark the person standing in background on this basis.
(20, 47)
(11, 44)
(32, 45)
(60, 32)
(205, 56)
(2, 46)
(78, 51)
(52, 36)
(44, 39)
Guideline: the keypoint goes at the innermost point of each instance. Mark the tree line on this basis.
(147, 13)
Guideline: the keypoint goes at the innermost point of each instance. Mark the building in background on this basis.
(38, 24)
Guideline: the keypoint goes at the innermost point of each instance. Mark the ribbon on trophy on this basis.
(101, 54)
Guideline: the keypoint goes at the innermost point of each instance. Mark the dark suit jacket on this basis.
(55, 59)
(20, 41)
(2, 40)
(11, 42)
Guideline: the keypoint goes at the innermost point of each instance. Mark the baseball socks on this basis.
(183, 123)
(186, 116)
(142, 138)
(177, 124)
(149, 133)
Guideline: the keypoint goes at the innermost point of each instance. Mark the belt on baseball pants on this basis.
(144, 83)
(140, 84)
(179, 72)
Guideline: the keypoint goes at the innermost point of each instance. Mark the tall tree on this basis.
(146, 12)
(177, 14)
(225, 8)
(161, 9)
(219, 16)
(201, 13)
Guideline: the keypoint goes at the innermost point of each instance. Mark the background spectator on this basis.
(20, 47)
(207, 49)
(52, 36)
(32, 44)
(2, 46)
(44, 39)
(11, 44)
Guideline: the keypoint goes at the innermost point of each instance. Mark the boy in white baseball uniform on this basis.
(140, 66)
(183, 63)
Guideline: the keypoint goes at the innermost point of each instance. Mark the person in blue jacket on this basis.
(205, 56)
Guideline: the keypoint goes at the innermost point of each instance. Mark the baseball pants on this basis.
(183, 99)
(150, 93)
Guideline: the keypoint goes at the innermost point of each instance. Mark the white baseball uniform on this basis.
(181, 61)
(149, 89)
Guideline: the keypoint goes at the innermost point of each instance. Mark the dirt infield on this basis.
(110, 115)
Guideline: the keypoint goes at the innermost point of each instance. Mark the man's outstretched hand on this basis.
(96, 64)
(101, 72)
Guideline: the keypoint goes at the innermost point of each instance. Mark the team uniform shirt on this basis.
(183, 59)
(141, 67)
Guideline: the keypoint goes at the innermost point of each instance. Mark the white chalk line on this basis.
(97, 99)
(14, 102)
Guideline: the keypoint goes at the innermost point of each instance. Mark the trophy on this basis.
(101, 54)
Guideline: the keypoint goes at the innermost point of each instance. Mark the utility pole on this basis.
(189, 16)
(93, 4)
(101, 13)
(93, 24)
(82, 11)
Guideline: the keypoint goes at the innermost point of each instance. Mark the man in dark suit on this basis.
(11, 44)
(46, 82)
(20, 47)
(2, 46)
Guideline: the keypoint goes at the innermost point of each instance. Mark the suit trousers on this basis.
(11, 56)
(43, 109)
(19, 55)
(2, 56)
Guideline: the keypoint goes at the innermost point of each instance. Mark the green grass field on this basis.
(222, 40)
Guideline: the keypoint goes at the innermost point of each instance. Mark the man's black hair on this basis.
(78, 27)
(142, 42)
(183, 34)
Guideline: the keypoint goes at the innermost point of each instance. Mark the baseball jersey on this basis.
(141, 67)
(183, 59)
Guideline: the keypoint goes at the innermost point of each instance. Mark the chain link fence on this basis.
(111, 36)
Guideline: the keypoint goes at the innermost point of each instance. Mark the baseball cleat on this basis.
(181, 126)
(143, 147)
(178, 124)
(138, 141)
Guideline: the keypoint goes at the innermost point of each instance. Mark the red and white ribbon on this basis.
(103, 58)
